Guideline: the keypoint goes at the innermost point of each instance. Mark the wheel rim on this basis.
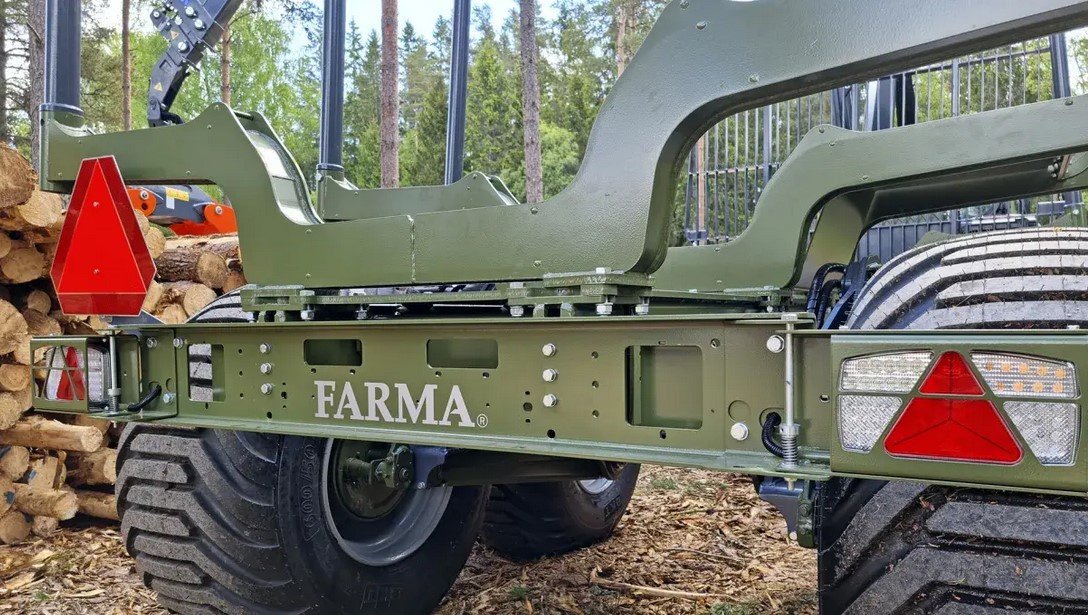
(595, 486)
(374, 524)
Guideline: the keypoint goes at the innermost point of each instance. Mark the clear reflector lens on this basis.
(862, 418)
(896, 372)
(1012, 375)
(66, 375)
(1050, 429)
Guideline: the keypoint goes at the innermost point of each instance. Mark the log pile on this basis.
(53, 467)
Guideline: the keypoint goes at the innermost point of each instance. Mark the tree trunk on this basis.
(5, 25)
(126, 66)
(530, 104)
(390, 98)
(224, 66)
(36, 68)
(624, 20)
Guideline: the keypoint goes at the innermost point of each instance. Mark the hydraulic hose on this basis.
(818, 282)
(769, 427)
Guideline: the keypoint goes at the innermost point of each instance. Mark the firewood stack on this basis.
(54, 466)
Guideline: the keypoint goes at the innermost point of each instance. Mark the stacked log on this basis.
(192, 272)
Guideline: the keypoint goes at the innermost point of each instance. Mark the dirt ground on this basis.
(691, 542)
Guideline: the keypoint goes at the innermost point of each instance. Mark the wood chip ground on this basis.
(692, 542)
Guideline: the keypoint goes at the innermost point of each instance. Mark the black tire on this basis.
(527, 521)
(233, 522)
(900, 547)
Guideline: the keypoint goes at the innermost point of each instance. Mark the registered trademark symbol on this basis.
(481, 420)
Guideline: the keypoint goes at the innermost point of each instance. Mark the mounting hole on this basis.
(283, 394)
(239, 351)
(596, 414)
(528, 393)
(527, 407)
(662, 434)
(551, 433)
(313, 370)
(596, 384)
(825, 398)
(241, 396)
(487, 374)
(594, 354)
(241, 373)
(268, 414)
(438, 374)
(351, 371)
(528, 420)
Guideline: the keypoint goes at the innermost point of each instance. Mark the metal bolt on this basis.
(266, 368)
(642, 309)
(199, 24)
(178, 342)
(604, 309)
(156, 15)
(266, 388)
(517, 311)
(183, 46)
(219, 210)
(265, 348)
(152, 342)
(167, 398)
(550, 375)
(306, 314)
(549, 350)
(550, 401)
(739, 431)
(190, 12)
(776, 344)
(601, 270)
(701, 25)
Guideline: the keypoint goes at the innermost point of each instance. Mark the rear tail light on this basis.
(1050, 429)
(949, 418)
(862, 418)
(1012, 375)
(895, 372)
(69, 379)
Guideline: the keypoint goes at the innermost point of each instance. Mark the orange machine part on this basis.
(218, 219)
(142, 200)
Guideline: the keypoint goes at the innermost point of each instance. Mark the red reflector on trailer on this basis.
(102, 265)
(953, 430)
(951, 376)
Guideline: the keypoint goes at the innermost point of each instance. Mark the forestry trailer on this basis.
(410, 369)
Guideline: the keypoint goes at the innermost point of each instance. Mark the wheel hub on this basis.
(371, 511)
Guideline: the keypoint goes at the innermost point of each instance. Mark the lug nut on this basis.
(266, 388)
(549, 350)
(550, 375)
(550, 401)
(266, 368)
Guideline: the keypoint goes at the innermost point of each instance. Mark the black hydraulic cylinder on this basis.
(62, 32)
(331, 148)
(455, 127)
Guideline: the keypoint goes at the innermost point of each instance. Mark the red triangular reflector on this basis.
(71, 380)
(102, 265)
(951, 376)
(953, 430)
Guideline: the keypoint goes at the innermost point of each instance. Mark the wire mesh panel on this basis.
(732, 163)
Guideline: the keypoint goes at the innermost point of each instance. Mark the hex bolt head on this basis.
(549, 350)
(178, 342)
(776, 344)
(152, 342)
(517, 311)
(199, 25)
(601, 270)
(739, 431)
(266, 368)
(604, 309)
(550, 375)
(550, 400)
(642, 309)
(265, 348)
(167, 398)
(190, 12)
(266, 388)
(183, 46)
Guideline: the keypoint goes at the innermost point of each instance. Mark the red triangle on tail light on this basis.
(953, 430)
(951, 376)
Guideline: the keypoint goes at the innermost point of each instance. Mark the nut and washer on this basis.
(550, 375)
(517, 311)
(739, 431)
(266, 368)
(265, 348)
(178, 342)
(549, 350)
(152, 342)
(550, 401)
(266, 388)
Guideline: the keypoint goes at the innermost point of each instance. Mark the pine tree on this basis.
(390, 98)
(430, 137)
(530, 97)
(493, 131)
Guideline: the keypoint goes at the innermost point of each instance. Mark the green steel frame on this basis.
(631, 352)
